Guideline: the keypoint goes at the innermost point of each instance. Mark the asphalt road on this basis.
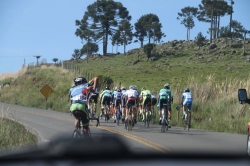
(50, 125)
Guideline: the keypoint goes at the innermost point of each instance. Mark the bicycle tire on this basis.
(248, 143)
(76, 134)
(188, 119)
(129, 123)
(163, 125)
(106, 114)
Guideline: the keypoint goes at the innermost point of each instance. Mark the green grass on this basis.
(14, 135)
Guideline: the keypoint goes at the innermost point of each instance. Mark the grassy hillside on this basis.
(213, 75)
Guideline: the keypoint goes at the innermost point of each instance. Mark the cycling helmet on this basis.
(166, 86)
(119, 90)
(107, 88)
(80, 80)
(187, 90)
(123, 88)
(132, 87)
(142, 89)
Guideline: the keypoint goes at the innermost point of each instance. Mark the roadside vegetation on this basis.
(213, 76)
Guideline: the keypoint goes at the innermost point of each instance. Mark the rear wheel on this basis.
(248, 143)
(188, 120)
(76, 134)
(129, 123)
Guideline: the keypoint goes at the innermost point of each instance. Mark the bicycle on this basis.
(153, 115)
(105, 113)
(78, 133)
(164, 118)
(147, 114)
(118, 115)
(128, 122)
(91, 110)
(186, 119)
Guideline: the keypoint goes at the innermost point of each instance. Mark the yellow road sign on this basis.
(46, 90)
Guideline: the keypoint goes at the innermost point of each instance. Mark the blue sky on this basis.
(47, 27)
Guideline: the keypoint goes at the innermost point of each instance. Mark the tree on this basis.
(148, 48)
(124, 34)
(211, 11)
(76, 54)
(103, 16)
(89, 48)
(148, 26)
(200, 39)
(55, 60)
(85, 33)
(186, 17)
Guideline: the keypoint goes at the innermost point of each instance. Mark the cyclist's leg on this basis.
(73, 109)
(95, 103)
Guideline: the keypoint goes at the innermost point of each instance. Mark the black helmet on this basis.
(107, 88)
(187, 90)
(79, 80)
(123, 88)
(166, 86)
(119, 90)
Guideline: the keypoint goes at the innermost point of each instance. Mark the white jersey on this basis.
(131, 93)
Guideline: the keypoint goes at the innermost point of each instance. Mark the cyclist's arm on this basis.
(93, 83)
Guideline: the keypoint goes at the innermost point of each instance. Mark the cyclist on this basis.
(93, 96)
(145, 98)
(78, 100)
(123, 89)
(106, 97)
(132, 99)
(187, 99)
(117, 101)
(164, 98)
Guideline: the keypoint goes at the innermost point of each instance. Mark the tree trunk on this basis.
(231, 18)
(244, 43)
(211, 26)
(187, 34)
(218, 27)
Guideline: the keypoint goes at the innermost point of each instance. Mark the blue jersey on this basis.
(187, 97)
(79, 93)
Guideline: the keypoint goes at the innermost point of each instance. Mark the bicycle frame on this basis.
(164, 121)
(186, 122)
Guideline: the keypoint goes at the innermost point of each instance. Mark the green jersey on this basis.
(165, 94)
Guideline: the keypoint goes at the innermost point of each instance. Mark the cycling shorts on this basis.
(132, 102)
(93, 97)
(146, 100)
(79, 111)
(189, 103)
(106, 99)
(117, 102)
(164, 101)
(154, 101)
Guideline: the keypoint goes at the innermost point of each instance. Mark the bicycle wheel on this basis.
(106, 115)
(248, 143)
(163, 124)
(118, 116)
(184, 122)
(148, 118)
(153, 117)
(188, 120)
(76, 134)
(129, 123)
